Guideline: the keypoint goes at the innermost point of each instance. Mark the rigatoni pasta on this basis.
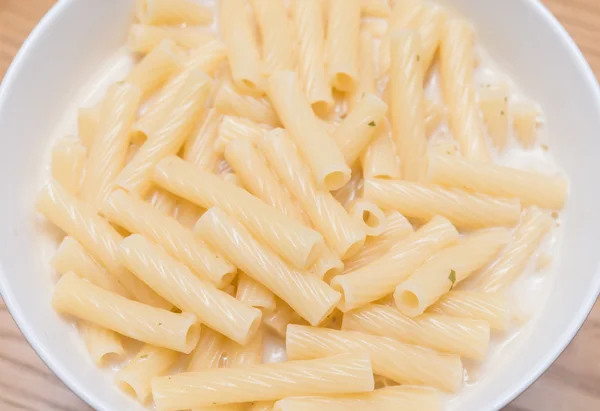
(68, 162)
(343, 32)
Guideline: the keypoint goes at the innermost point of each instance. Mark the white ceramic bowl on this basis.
(76, 37)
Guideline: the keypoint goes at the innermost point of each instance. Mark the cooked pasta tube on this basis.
(490, 307)
(318, 148)
(366, 69)
(208, 352)
(198, 149)
(456, 69)
(137, 216)
(80, 221)
(88, 120)
(173, 12)
(160, 200)
(144, 38)
(155, 68)
(139, 321)
(384, 399)
(493, 103)
(290, 239)
(253, 293)
(150, 362)
(238, 31)
(402, 363)
(371, 217)
(308, 19)
(343, 33)
(380, 278)
(278, 319)
(68, 163)
(240, 356)
(358, 128)
(379, 160)
(262, 406)
(532, 229)
(525, 122)
(177, 284)
(466, 337)
(276, 34)
(257, 109)
(106, 156)
(407, 102)
(530, 187)
(236, 128)
(446, 269)
(343, 234)
(340, 374)
(434, 114)
(171, 136)
(375, 8)
(100, 343)
(422, 202)
(310, 297)
(327, 265)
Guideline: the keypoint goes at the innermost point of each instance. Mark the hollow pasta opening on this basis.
(335, 180)
(344, 82)
(408, 299)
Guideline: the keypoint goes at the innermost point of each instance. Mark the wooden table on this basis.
(572, 383)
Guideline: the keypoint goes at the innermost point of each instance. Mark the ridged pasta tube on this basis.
(253, 293)
(199, 148)
(366, 68)
(343, 33)
(88, 120)
(234, 128)
(143, 38)
(371, 217)
(68, 164)
(101, 343)
(208, 352)
(493, 103)
(379, 160)
(258, 109)
(173, 12)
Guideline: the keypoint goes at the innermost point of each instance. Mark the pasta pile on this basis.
(288, 177)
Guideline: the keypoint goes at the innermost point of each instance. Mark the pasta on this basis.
(343, 32)
(375, 8)
(68, 163)
(141, 322)
(379, 160)
(278, 320)
(177, 284)
(339, 374)
(525, 123)
(466, 337)
(101, 344)
(209, 351)
(530, 187)
(144, 38)
(158, 12)
(88, 120)
(240, 356)
(310, 297)
(380, 278)
(254, 294)
(493, 103)
(371, 217)
(198, 149)
(366, 68)
(297, 243)
(422, 202)
(236, 128)
(448, 268)
(229, 101)
(402, 363)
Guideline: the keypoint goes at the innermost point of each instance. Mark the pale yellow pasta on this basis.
(72, 256)
(251, 166)
(371, 217)
(463, 336)
(318, 148)
(434, 114)
(530, 187)
(162, 201)
(68, 162)
(327, 265)
(173, 12)
(351, 191)
(310, 297)
(379, 278)
(206, 58)
(358, 128)
(448, 268)
(232, 179)
(405, 398)
(493, 103)
(379, 160)
(198, 149)
(532, 229)
(525, 122)
(490, 307)
(262, 406)
(342, 234)
(208, 352)
(376, 27)
(278, 319)
(149, 362)
(253, 293)
(155, 68)
(100, 343)
(177, 284)
(396, 229)
(290, 239)
(106, 156)
(144, 38)
(240, 356)
(309, 18)
(96, 235)
(422, 202)
(236, 128)
(443, 143)
(366, 69)
(343, 33)
(239, 33)
(155, 326)
(375, 8)
(340, 374)
(277, 35)
(407, 102)
(137, 216)
(88, 120)
(456, 70)
(257, 109)
(170, 137)
(402, 363)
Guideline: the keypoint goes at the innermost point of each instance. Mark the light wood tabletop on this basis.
(572, 383)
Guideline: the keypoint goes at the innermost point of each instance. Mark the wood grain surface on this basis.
(572, 383)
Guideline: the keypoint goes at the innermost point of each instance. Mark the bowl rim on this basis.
(510, 394)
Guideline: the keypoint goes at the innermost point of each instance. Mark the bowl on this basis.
(73, 43)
